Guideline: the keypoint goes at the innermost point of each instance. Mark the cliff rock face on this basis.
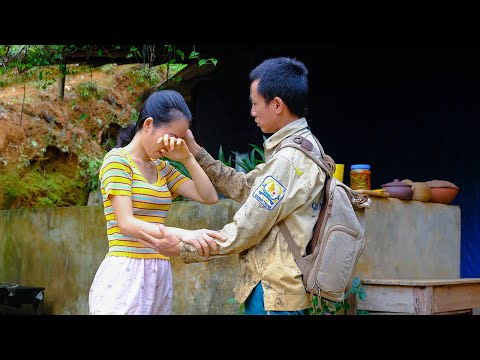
(50, 148)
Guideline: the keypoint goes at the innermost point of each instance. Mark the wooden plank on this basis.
(421, 282)
(423, 300)
(352, 300)
(456, 297)
(428, 296)
(395, 299)
(456, 312)
(387, 313)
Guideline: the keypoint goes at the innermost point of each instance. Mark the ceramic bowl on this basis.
(443, 195)
(399, 190)
(442, 191)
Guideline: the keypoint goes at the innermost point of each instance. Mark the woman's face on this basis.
(176, 128)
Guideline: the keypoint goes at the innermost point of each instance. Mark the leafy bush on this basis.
(33, 187)
(326, 307)
(250, 162)
(182, 169)
(89, 89)
(90, 169)
(221, 157)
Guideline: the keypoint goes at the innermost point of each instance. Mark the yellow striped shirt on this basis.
(119, 175)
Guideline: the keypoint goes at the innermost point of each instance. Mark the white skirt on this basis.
(129, 286)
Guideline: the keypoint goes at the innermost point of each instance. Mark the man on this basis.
(287, 186)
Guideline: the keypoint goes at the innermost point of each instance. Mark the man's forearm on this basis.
(233, 184)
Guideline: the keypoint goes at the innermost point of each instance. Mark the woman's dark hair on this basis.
(286, 78)
(163, 106)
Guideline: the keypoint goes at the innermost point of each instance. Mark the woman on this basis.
(137, 189)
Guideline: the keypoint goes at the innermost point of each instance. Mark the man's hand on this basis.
(203, 240)
(169, 245)
(191, 143)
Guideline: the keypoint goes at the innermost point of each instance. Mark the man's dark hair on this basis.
(286, 78)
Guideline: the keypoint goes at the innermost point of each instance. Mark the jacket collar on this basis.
(283, 133)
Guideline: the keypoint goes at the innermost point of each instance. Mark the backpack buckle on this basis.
(303, 142)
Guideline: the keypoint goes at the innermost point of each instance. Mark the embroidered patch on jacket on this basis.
(269, 193)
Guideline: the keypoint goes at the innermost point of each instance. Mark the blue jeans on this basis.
(254, 304)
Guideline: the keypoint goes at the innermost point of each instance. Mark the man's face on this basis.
(264, 114)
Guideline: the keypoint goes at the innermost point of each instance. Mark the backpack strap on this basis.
(318, 229)
(291, 243)
(328, 165)
(317, 155)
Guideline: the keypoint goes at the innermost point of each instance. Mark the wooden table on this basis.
(422, 297)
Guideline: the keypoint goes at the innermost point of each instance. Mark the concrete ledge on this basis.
(61, 248)
(411, 240)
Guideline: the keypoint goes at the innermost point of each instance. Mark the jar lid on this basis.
(441, 183)
(360, 166)
(397, 183)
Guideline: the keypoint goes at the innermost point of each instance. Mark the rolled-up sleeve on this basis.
(116, 175)
(234, 184)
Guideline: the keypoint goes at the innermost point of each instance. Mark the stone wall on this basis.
(61, 248)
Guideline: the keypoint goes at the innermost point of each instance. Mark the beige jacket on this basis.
(287, 186)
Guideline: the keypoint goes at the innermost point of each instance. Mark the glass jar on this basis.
(360, 177)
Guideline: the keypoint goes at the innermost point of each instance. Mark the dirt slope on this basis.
(49, 153)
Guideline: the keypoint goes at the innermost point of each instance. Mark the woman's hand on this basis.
(174, 148)
(168, 245)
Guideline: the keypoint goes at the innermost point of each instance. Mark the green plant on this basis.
(182, 169)
(173, 52)
(201, 62)
(36, 186)
(250, 162)
(327, 307)
(108, 68)
(90, 169)
(241, 307)
(145, 73)
(89, 89)
(221, 157)
(179, 166)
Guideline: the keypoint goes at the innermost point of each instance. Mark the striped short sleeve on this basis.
(174, 179)
(116, 175)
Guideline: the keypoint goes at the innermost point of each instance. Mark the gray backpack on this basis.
(339, 234)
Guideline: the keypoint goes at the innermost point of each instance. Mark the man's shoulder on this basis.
(293, 152)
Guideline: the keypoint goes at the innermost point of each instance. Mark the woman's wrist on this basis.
(189, 159)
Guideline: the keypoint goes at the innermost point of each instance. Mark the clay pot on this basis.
(442, 191)
(421, 190)
(399, 190)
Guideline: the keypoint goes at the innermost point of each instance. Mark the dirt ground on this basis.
(48, 121)
(71, 132)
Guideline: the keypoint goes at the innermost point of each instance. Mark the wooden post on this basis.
(61, 81)
(423, 298)
(352, 301)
